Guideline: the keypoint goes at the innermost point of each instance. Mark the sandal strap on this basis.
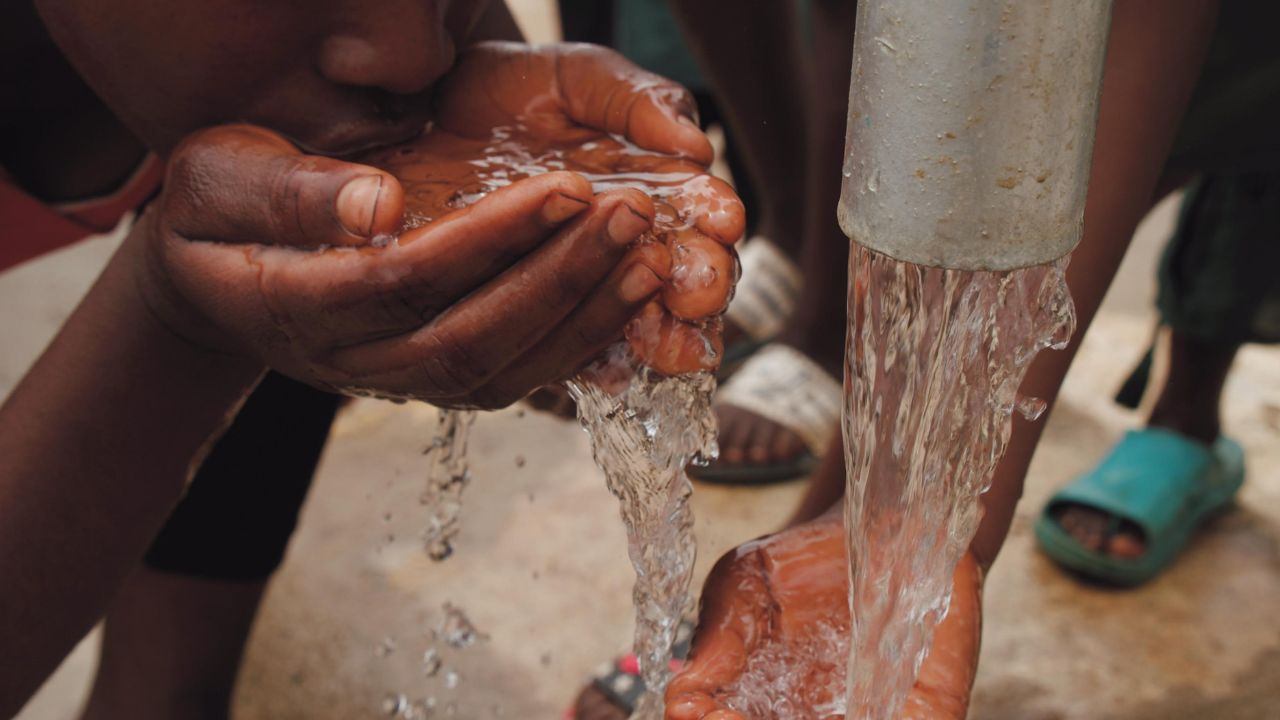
(781, 384)
(1152, 478)
(767, 292)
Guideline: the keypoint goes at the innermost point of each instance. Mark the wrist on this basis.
(151, 290)
(168, 323)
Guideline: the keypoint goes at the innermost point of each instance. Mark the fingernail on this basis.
(638, 283)
(688, 121)
(357, 204)
(626, 225)
(560, 207)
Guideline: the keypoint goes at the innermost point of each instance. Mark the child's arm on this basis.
(240, 265)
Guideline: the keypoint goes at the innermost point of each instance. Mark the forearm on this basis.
(96, 444)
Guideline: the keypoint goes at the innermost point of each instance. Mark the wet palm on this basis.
(782, 588)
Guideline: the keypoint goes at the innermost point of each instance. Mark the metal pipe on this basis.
(971, 129)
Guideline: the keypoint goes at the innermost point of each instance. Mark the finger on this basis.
(463, 348)
(355, 296)
(735, 611)
(604, 90)
(587, 331)
(703, 273)
(672, 346)
(715, 207)
(245, 184)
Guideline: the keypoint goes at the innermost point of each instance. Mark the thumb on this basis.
(246, 184)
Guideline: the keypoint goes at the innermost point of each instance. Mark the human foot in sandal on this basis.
(1110, 524)
(1127, 520)
(777, 414)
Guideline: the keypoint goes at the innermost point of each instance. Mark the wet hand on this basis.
(779, 589)
(256, 249)
(568, 92)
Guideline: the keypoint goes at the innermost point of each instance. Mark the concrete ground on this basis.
(541, 566)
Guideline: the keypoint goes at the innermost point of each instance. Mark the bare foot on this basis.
(746, 437)
(1096, 530)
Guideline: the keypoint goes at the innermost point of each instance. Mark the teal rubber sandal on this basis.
(1162, 482)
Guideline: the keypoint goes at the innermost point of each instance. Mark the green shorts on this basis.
(1219, 279)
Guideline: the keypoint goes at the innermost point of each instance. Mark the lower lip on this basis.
(362, 138)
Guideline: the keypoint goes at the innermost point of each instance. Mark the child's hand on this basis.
(565, 91)
(778, 590)
(244, 253)
(568, 94)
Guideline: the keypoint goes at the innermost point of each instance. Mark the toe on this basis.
(1126, 543)
(735, 432)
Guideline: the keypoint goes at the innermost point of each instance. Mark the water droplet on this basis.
(439, 549)
(451, 679)
(885, 45)
(456, 628)
(873, 180)
(1031, 408)
(394, 704)
(386, 647)
(431, 662)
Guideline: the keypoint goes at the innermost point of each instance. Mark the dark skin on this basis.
(1154, 55)
(215, 281)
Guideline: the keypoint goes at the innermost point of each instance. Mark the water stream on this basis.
(933, 365)
(645, 427)
(642, 438)
(448, 474)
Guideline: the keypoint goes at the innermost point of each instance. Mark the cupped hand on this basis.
(570, 94)
(565, 92)
(786, 596)
(257, 249)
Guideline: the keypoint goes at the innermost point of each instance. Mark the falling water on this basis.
(933, 365)
(643, 437)
(644, 427)
(447, 476)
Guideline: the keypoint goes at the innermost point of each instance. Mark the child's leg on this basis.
(1137, 121)
(174, 636)
(1189, 405)
(800, 163)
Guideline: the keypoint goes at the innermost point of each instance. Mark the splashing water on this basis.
(642, 437)
(933, 365)
(644, 427)
(769, 686)
(447, 476)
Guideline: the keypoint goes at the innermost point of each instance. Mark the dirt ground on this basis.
(541, 566)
